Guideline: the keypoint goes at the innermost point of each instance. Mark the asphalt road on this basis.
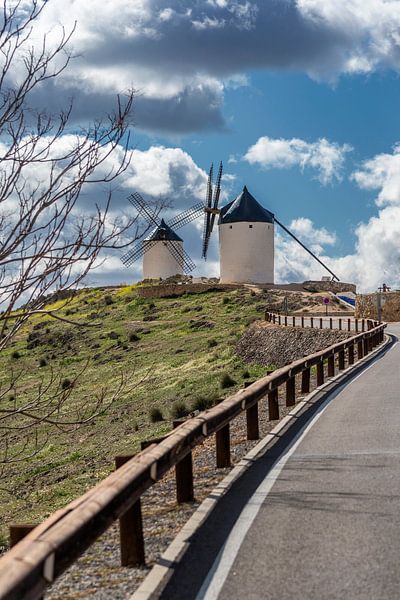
(321, 518)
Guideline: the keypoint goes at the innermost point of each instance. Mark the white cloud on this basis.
(173, 54)
(327, 158)
(293, 263)
(381, 172)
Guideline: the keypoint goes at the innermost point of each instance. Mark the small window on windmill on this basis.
(250, 226)
(230, 226)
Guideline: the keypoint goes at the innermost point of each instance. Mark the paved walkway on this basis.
(321, 518)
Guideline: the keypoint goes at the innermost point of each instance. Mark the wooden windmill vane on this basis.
(162, 251)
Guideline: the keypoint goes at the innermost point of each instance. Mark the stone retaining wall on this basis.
(162, 291)
(331, 286)
(367, 306)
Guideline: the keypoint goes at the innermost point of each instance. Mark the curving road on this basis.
(319, 519)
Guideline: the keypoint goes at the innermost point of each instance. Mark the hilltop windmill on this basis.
(246, 241)
(162, 251)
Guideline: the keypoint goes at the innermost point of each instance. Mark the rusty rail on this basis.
(49, 549)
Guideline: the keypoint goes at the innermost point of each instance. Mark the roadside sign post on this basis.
(326, 302)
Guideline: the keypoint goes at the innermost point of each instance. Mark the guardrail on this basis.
(49, 549)
(340, 323)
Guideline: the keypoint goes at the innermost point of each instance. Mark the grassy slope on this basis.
(174, 359)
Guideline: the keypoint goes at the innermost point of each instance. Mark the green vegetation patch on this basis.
(174, 356)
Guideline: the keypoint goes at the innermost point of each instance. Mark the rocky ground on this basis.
(266, 344)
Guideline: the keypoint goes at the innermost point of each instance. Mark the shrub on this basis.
(108, 300)
(155, 415)
(133, 337)
(179, 409)
(246, 374)
(226, 381)
(212, 343)
(202, 403)
(42, 362)
(15, 354)
(226, 300)
(66, 384)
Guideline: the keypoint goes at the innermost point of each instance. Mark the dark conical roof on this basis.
(163, 232)
(245, 208)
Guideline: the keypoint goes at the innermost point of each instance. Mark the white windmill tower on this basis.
(246, 241)
(163, 253)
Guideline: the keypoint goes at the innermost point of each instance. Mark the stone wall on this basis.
(330, 286)
(367, 306)
(162, 291)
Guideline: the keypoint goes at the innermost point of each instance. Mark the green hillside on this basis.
(174, 354)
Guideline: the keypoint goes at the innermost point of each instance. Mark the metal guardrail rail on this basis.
(50, 548)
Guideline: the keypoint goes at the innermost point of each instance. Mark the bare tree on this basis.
(46, 242)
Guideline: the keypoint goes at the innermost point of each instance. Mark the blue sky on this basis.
(299, 98)
(360, 110)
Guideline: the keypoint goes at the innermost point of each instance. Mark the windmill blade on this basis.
(140, 204)
(181, 257)
(217, 189)
(207, 214)
(307, 250)
(133, 255)
(217, 193)
(137, 252)
(185, 217)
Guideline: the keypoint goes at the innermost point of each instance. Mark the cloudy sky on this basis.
(298, 98)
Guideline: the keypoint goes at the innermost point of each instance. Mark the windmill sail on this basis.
(187, 216)
(181, 257)
(211, 212)
(136, 252)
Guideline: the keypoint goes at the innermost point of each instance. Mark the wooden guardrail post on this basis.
(351, 355)
(366, 346)
(312, 322)
(356, 325)
(253, 432)
(294, 321)
(349, 324)
(131, 529)
(340, 323)
(320, 323)
(331, 323)
(302, 322)
(305, 381)
(341, 360)
(184, 480)
(184, 475)
(273, 405)
(223, 447)
(331, 365)
(363, 325)
(360, 349)
(291, 391)
(320, 373)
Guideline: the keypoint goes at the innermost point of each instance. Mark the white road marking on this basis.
(219, 571)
